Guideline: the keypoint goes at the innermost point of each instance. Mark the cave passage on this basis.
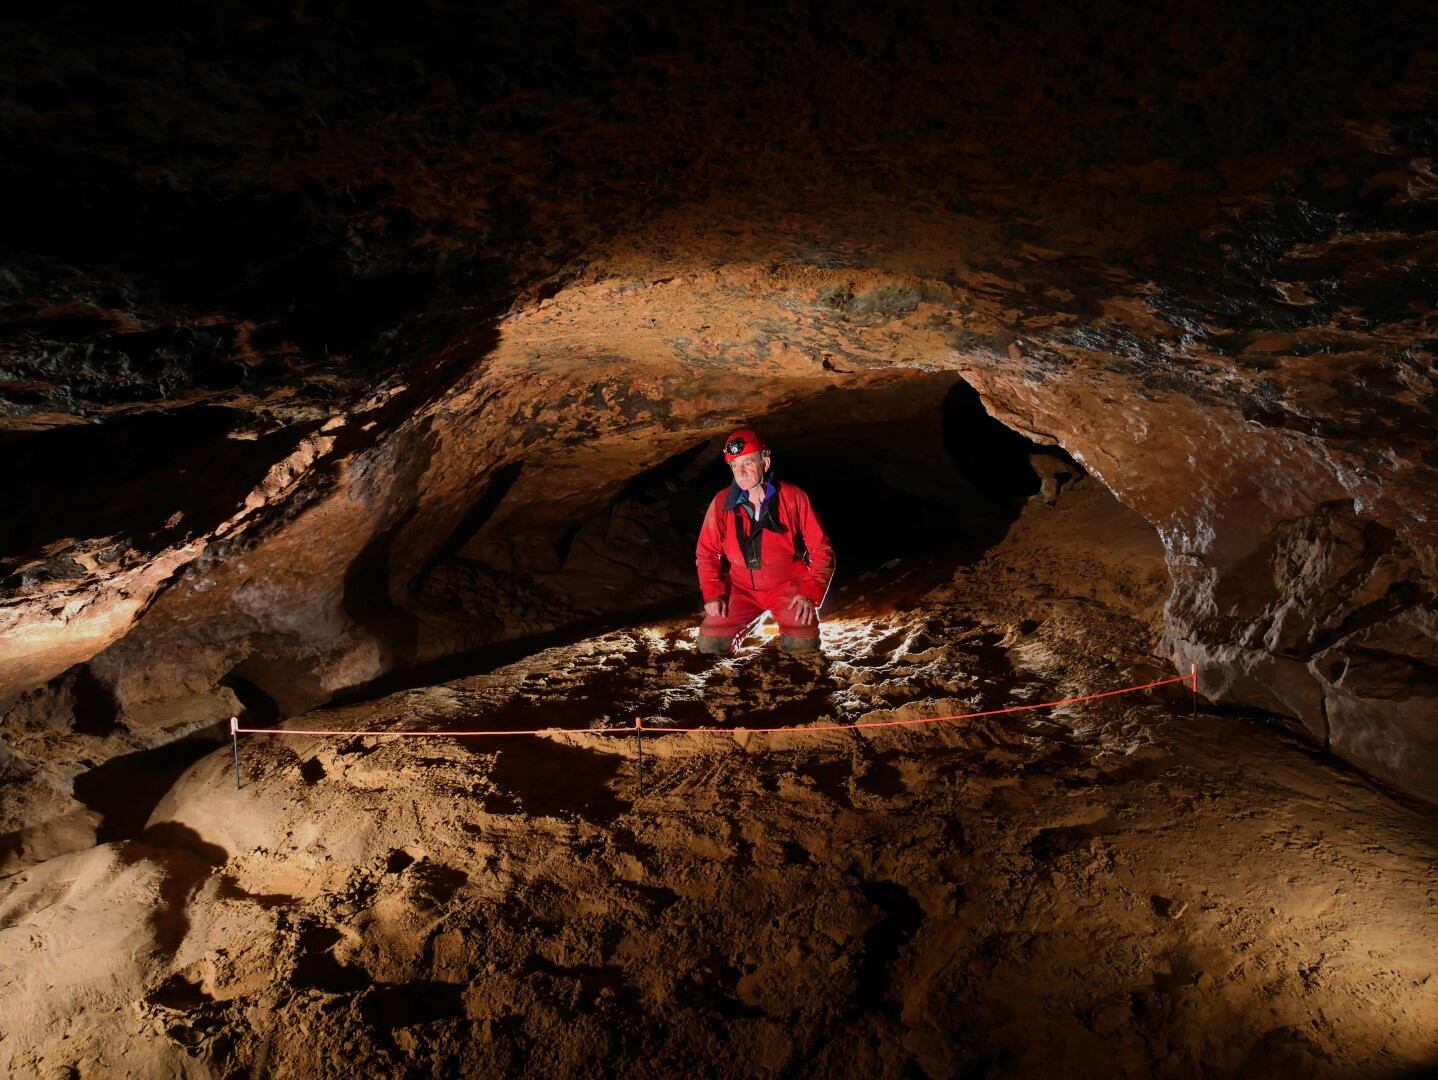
(363, 376)
(908, 470)
(896, 472)
(913, 474)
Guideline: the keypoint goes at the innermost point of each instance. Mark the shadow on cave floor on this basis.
(918, 662)
(490, 657)
(865, 585)
(550, 778)
(126, 789)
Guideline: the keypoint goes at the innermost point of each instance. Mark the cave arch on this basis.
(902, 466)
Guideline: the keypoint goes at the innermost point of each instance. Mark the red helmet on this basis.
(744, 441)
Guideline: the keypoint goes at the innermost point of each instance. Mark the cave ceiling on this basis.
(282, 289)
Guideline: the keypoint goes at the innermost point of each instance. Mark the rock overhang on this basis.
(1208, 280)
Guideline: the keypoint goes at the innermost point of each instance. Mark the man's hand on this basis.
(802, 608)
(717, 608)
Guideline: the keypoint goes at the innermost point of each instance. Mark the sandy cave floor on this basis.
(1116, 888)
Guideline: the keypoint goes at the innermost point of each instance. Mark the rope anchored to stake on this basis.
(235, 742)
(638, 729)
(639, 751)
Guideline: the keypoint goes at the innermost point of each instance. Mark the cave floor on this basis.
(1122, 887)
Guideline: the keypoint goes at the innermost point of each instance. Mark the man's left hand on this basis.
(802, 608)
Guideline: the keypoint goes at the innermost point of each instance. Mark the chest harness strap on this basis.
(751, 539)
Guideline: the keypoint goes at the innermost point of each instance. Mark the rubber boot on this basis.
(798, 645)
(715, 645)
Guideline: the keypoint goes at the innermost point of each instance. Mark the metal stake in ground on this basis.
(639, 751)
(1195, 689)
(235, 742)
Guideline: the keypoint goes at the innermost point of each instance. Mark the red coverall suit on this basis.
(760, 565)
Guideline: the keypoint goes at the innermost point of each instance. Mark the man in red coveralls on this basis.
(761, 549)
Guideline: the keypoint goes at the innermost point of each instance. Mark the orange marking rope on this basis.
(1192, 678)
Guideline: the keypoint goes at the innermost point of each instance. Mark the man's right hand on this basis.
(717, 608)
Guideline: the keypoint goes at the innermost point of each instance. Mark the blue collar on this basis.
(738, 496)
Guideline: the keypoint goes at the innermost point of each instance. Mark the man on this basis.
(761, 549)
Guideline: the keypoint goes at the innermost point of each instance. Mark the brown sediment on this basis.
(1121, 884)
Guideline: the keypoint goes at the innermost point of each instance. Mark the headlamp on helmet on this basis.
(744, 441)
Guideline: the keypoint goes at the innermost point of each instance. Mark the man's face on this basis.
(749, 470)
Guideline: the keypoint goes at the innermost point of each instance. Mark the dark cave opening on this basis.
(903, 470)
(94, 708)
(134, 485)
(260, 709)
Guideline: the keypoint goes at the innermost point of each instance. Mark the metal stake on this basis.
(639, 751)
(1195, 689)
(235, 742)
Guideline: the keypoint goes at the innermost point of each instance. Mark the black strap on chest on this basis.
(751, 541)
